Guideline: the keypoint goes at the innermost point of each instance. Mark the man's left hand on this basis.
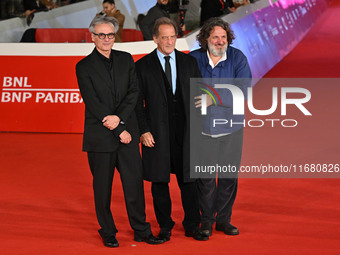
(125, 137)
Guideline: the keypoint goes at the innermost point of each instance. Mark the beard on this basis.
(217, 52)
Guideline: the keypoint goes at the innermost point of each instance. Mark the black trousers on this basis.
(162, 204)
(217, 197)
(128, 163)
(189, 195)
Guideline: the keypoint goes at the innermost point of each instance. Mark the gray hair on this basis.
(163, 21)
(104, 20)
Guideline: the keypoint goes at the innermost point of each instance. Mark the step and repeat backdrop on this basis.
(38, 85)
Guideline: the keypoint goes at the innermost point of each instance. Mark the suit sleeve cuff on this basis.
(119, 129)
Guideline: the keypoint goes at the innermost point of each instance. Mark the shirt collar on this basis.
(161, 55)
(223, 58)
(103, 58)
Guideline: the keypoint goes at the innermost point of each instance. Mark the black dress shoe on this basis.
(197, 235)
(227, 228)
(206, 228)
(151, 239)
(111, 242)
(164, 234)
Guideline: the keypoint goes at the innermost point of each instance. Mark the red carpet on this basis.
(46, 203)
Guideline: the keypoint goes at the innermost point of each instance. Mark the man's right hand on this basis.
(198, 103)
(147, 139)
(111, 121)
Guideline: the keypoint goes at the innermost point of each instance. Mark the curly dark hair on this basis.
(208, 26)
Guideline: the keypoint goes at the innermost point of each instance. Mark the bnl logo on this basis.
(238, 99)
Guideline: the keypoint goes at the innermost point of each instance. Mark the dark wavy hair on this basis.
(208, 26)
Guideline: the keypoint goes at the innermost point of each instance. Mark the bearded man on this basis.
(217, 59)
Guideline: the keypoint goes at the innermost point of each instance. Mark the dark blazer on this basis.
(104, 97)
(154, 116)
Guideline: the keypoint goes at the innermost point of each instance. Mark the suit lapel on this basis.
(101, 70)
(181, 68)
(116, 71)
(159, 73)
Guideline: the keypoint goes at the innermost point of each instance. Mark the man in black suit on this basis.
(163, 117)
(108, 85)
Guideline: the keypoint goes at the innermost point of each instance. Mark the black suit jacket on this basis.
(96, 87)
(154, 116)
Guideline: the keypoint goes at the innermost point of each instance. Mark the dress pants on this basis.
(189, 196)
(217, 197)
(162, 204)
(128, 163)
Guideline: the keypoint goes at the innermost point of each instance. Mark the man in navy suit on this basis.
(108, 85)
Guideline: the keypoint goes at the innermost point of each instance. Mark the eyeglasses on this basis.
(102, 36)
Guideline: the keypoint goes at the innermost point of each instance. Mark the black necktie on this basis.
(168, 70)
